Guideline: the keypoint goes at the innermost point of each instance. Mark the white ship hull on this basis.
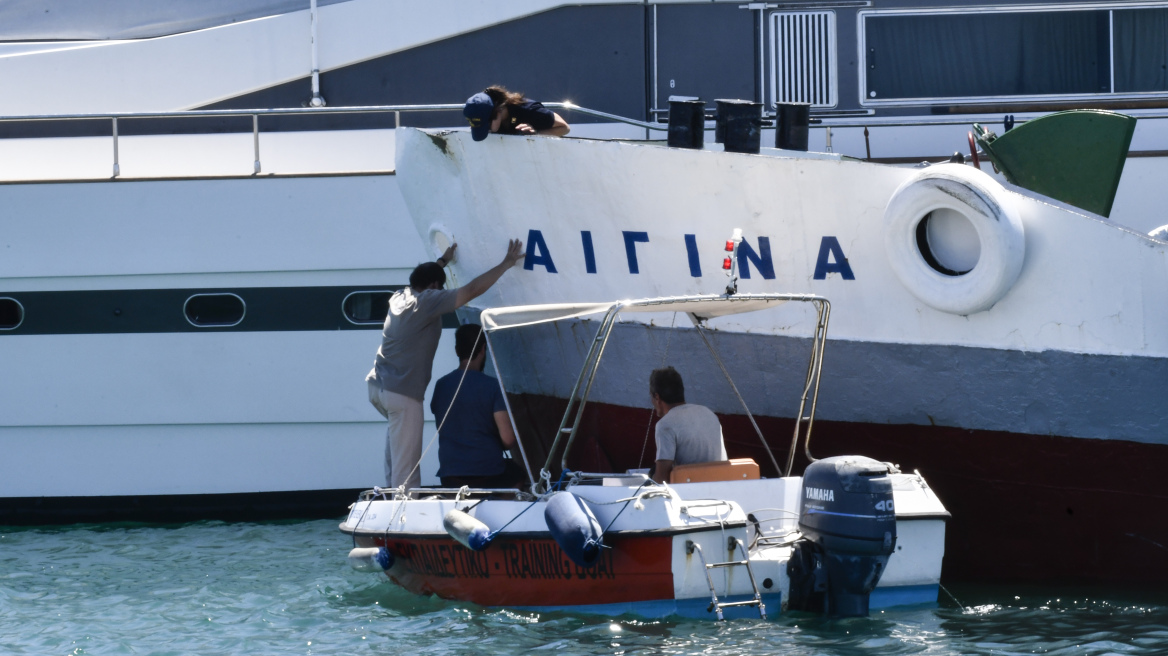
(112, 394)
(1060, 376)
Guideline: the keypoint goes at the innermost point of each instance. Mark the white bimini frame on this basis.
(699, 308)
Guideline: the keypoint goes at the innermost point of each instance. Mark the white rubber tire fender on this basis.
(986, 204)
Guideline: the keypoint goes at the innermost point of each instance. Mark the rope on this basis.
(563, 474)
(749, 415)
(399, 494)
(448, 409)
(600, 539)
(664, 359)
(472, 506)
(359, 520)
(647, 494)
(492, 534)
(377, 491)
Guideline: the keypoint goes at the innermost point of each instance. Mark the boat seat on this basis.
(735, 469)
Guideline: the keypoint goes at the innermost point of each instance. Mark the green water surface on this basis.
(285, 588)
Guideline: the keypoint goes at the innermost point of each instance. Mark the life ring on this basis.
(954, 238)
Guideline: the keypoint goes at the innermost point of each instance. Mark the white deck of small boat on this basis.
(769, 508)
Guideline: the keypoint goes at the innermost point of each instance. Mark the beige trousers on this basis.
(403, 438)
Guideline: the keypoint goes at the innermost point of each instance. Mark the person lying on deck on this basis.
(687, 433)
(497, 110)
(477, 429)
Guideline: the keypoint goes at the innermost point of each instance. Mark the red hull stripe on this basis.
(1063, 509)
(531, 572)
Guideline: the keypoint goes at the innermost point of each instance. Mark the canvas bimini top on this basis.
(700, 307)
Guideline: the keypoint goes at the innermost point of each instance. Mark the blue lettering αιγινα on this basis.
(537, 252)
(831, 246)
(631, 241)
(761, 259)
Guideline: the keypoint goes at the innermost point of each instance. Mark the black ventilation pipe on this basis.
(791, 125)
(739, 126)
(687, 123)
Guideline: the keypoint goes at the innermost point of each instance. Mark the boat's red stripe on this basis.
(532, 572)
(1025, 507)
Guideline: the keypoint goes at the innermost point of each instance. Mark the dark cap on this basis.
(478, 111)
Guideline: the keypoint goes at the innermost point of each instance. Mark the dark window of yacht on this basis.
(1141, 50)
(11, 314)
(214, 310)
(367, 307)
(971, 55)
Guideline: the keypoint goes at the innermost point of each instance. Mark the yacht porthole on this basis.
(11, 314)
(214, 310)
(366, 308)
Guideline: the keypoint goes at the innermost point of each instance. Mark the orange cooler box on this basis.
(736, 469)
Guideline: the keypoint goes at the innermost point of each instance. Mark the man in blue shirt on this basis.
(476, 430)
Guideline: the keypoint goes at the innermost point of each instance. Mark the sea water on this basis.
(285, 588)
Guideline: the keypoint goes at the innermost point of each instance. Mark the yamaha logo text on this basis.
(816, 494)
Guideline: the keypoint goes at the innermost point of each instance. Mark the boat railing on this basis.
(257, 114)
(397, 111)
(254, 114)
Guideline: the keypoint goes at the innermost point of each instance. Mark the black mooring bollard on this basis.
(791, 125)
(687, 123)
(739, 126)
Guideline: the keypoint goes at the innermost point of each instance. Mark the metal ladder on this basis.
(715, 605)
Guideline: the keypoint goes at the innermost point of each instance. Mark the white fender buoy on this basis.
(371, 559)
(954, 238)
(466, 530)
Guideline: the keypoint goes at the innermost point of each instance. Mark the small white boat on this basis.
(850, 534)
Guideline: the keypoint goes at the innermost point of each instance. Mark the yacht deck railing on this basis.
(255, 114)
(397, 110)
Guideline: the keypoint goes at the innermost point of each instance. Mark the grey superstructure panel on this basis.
(593, 56)
(1041, 393)
(705, 50)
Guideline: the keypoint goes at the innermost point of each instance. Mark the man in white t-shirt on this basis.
(409, 340)
(687, 433)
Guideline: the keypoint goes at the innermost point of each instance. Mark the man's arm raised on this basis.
(481, 284)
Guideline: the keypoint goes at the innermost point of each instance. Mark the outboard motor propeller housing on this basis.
(848, 522)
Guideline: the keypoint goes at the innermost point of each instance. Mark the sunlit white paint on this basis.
(1086, 285)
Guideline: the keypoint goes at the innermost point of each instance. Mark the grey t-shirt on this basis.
(689, 434)
(409, 340)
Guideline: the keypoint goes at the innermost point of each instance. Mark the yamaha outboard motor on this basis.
(848, 522)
